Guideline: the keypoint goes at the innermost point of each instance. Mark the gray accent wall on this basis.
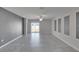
(29, 26)
(10, 26)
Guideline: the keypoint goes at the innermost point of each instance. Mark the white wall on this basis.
(69, 39)
(46, 26)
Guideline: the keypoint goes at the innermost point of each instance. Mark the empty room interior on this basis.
(39, 29)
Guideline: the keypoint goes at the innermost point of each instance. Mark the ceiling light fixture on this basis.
(41, 18)
(43, 13)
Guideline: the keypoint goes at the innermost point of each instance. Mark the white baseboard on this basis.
(10, 41)
(66, 42)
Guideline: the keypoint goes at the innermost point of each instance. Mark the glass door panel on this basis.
(34, 27)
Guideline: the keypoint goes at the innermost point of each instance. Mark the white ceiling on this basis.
(35, 12)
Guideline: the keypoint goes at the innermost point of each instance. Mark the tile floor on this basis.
(36, 42)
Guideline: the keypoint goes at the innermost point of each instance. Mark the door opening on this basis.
(35, 27)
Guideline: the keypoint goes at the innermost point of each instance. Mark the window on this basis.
(59, 25)
(66, 25)
(77, 25)
(55, 25)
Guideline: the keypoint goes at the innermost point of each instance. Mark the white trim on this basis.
(60, 38)
(10, 41)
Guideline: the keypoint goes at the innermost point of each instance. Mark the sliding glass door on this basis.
(35, 27)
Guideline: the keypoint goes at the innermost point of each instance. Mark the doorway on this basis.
(35, 27)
